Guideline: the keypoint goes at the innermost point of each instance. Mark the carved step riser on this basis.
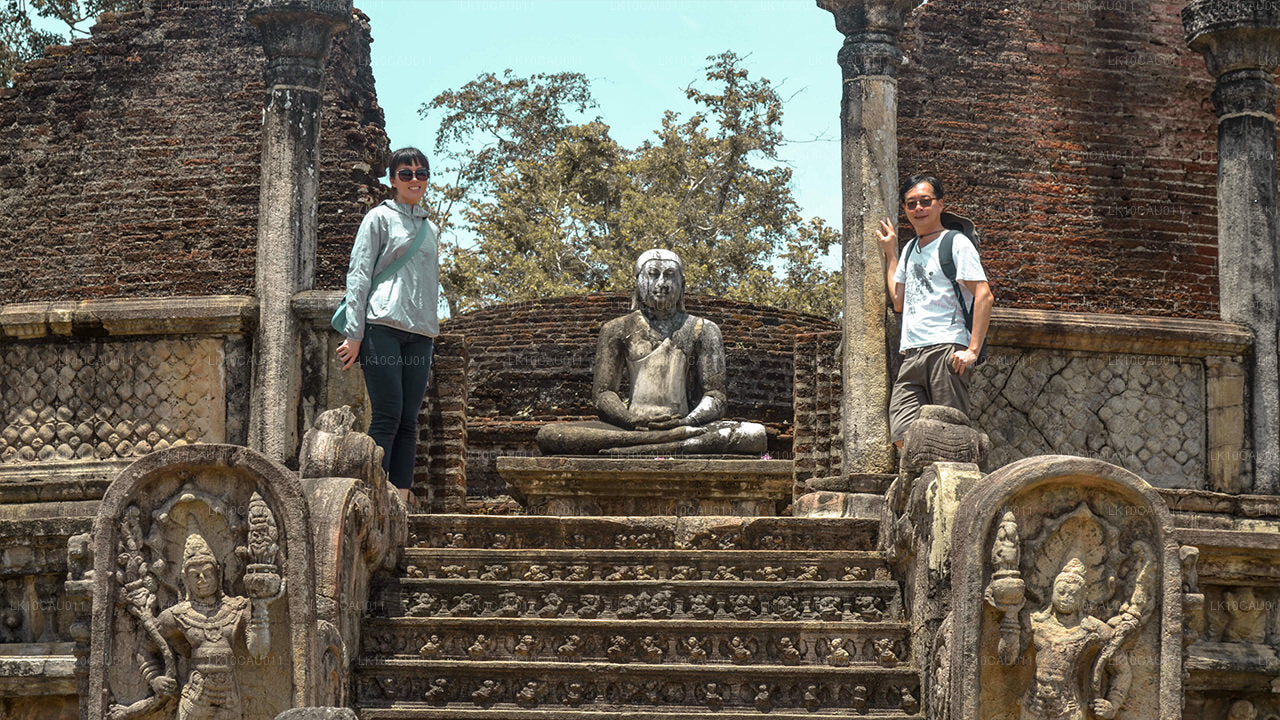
(831, 602)
(821, 644)
(502, 687)
(552, 712)
(655, 533)
(580, 566)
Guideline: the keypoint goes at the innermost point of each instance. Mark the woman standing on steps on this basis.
(391, 321)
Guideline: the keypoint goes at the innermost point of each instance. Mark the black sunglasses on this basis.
(406, 174)
(923, 202)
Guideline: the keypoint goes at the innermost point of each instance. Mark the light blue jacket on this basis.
(408, 299)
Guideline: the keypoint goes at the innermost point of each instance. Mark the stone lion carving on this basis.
(333, 448)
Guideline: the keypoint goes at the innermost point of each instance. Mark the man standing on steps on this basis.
(936, 345)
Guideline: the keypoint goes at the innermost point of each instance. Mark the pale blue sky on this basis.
(639, 56)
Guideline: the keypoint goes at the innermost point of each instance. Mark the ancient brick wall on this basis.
(530, 363)
(129, 161)
(441, 475)
(817, 439)
(1080, 136)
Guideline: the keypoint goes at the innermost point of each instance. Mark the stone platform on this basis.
(680, 486)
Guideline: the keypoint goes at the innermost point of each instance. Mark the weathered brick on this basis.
(147, 125)
(1060, 148)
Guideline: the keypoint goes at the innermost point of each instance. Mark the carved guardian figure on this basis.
(206, 626)
(1063, 635)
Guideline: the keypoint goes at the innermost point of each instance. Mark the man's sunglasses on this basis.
(910, 204)
(405, 174)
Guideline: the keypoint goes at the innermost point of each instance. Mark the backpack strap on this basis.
(947, 259)
(946, 255)
(910, 248)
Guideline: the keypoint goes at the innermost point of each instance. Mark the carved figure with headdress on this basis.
(206, 628)
(1063, 636)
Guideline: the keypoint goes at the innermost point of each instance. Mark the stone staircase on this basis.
(638, 618)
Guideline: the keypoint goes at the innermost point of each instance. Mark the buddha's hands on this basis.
(665, 422)
(656, 420)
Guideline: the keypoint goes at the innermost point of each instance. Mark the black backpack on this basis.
(947, 259)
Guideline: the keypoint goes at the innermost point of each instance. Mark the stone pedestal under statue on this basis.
(629, 486)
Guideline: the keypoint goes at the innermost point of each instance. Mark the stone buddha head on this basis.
(659, 282)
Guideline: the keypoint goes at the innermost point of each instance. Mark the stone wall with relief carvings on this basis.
(1146, 414)
(99, 384)
(1162, 398)
(78, 400)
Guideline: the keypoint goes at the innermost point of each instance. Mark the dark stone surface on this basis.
(670, 486)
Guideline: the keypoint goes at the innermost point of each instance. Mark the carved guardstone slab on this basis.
(626, 486)
(1067, 598)
(203, 590)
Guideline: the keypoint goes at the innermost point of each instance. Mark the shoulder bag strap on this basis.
(399, 262)
(910, 248)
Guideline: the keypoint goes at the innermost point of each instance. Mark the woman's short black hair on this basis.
(915, 180)
(407, 156)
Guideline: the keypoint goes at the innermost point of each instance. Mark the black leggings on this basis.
(396, 366)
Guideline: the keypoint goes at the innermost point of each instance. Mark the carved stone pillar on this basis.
(1240, 40)
(296, 35)
(869, 179)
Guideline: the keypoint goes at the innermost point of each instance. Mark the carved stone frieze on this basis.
(832, 644)
(863, 602)
(1145, 413)
(640, 686)
(679, 533)
(450, 563)
(104, 401)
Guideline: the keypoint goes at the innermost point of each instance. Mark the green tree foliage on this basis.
(558, 207)
(23, 27)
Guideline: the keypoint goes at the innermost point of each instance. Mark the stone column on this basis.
(869, 62)
(1240, 40)
(296, 35)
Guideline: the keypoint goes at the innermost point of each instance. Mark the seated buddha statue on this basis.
(676, 368)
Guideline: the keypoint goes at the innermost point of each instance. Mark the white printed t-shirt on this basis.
(931, 314)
